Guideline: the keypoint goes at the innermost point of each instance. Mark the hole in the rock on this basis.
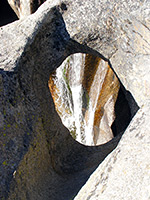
(90, 99)
(122, 114)
(7, 15)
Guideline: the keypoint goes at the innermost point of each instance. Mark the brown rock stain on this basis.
(90, 68)
(59, 106)
(54, 91)
(109, 88)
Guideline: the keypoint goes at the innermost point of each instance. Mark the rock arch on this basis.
(30, 129)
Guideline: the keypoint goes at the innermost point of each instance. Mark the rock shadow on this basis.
(7, 15)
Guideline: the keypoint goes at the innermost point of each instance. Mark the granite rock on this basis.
(125, 173)
(120, 32)
(38, 155)
(98, 124)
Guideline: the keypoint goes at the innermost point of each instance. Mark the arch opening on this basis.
(89, 99)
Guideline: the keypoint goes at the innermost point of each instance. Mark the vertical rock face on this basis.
(85, 89)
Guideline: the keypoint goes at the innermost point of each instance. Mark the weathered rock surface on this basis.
(125, 173)
(89, 112)
(120, 32)
(37, 153)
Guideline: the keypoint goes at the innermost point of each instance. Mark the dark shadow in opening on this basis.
(125, 109)
(122, 113)
(7, 15)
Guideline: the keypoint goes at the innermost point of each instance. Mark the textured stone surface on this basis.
(119, 31)
(37, 152)
(98, 118)
(125, 173)
(32, 136)
(20, 7)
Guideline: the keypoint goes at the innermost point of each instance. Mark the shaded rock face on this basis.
(7, 15)
(85, 89)
(34, 4)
